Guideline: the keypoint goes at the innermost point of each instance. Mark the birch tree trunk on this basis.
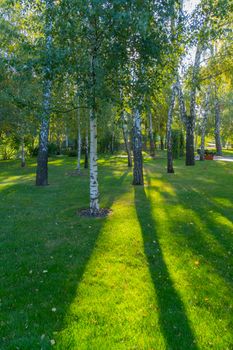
(151, 136)
(203, 125)
(94, 190)
(203, 131)
(191, 120)
(42, 160)
(126, 139)
(170, 168)
(182, 107)
(137, 150)
(217, 131)
(190, 157)
(79, 139)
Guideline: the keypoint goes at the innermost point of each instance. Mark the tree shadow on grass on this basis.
(45, 250)
(206, 237)
(197, 226)
(193, 228)
(174, 323)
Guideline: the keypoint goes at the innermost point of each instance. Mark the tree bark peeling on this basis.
(42, 160)
(94, 190)
(203, 125)
(137, 150)
(217, 131)
(126, 140)
(170, 168)
(151, 136)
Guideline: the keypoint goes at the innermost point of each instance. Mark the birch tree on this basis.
(190, 119)
(138, 178)
(126, 137)
(204, 120)
(89, 35)
(151, 134)
(42, 161)
(217, 129)
(170, 168)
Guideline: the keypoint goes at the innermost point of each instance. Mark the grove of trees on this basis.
(96, 76)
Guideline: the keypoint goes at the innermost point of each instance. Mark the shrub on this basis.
(177, 144)
(206, 152)
(72, 153)
(53, 150)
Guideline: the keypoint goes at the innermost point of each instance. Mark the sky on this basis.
(189, 5)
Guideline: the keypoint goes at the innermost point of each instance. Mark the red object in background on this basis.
(209, 157)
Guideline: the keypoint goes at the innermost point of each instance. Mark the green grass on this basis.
(227, 152)
(156, 274)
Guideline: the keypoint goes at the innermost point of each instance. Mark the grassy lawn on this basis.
(156, 274)
(227, 152)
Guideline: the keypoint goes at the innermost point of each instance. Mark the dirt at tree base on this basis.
(101, 213)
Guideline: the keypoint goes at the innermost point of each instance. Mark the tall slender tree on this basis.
(217, 129)
(170, 168)
(137, 149)
(190, 119)
(151, 134)
(42, 160)
(126, 137)
(204, 120)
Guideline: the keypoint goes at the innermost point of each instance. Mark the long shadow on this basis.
(195, 241)
(173, 320)
(198, 243)
(45, 250)
(205, 209)
(207, 240)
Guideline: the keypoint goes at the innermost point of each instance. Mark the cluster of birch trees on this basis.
(113, 65)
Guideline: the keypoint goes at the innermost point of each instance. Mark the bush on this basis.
(71, 153)
(177, 144)
(206, 152)
(53, 150)
(108, 143)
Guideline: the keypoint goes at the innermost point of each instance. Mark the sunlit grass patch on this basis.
(155, 274)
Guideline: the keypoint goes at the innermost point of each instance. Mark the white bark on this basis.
(44, 131)
(217, 131)
(193, 92)
(86, 150)
(137, 150)
(42, 161)
(169, 131)
(48, 80)
(94, 190)
(151, 134)
(125, 136)
(183, 112)
(190, 120)
(204, 123)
